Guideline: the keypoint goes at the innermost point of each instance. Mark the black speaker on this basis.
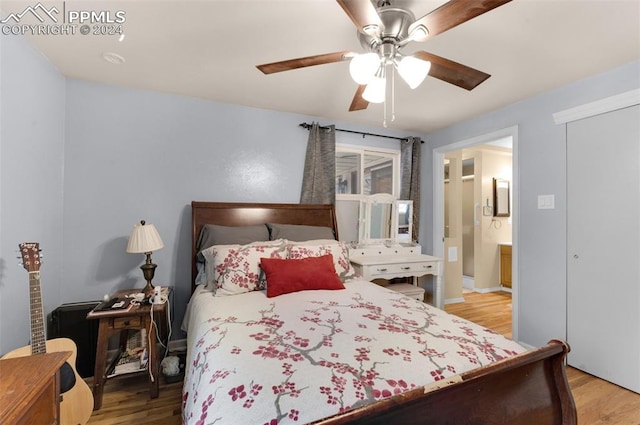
(70, 321)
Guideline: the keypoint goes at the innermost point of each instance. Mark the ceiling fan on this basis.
(383, 32)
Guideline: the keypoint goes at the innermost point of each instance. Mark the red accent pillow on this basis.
(284, 276)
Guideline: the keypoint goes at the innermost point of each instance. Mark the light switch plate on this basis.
(546, 202)
(452, 254)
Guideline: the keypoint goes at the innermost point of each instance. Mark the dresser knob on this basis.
(406, 268)
(382, 270)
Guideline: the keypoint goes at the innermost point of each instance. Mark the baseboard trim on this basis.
(178, 345)
(487, 290)
(454, 300)
(468, 282)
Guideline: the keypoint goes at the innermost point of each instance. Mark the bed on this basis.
(356, 353)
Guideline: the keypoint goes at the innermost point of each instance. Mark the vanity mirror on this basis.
(501, 206)
(404, 211)
(377, 219)
(384, 220)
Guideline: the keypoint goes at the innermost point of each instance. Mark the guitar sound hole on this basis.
(67, 378)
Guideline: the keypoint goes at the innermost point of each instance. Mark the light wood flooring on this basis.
(126, 400)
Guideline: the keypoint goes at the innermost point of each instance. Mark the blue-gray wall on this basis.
(121, 155)
(82, 162)
(132, 155)
(542, 170)
(32, 98)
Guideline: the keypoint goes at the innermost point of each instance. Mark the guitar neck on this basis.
(38, 341)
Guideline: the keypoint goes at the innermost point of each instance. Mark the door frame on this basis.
(438, 204)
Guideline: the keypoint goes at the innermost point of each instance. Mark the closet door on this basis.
(603, 243)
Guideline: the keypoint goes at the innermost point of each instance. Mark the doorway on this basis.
(448, 239)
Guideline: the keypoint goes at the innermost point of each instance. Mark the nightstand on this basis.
(136, 319)
(382, 262)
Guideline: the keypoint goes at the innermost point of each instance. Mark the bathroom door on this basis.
(603, 246)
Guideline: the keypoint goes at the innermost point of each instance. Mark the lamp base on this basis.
(148, 270)
(148, 289)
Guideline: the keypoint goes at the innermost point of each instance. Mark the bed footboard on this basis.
(530, 388)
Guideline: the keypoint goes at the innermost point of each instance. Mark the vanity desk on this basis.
(388, 262)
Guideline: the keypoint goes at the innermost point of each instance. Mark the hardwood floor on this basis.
(598, 402)
(126, 400)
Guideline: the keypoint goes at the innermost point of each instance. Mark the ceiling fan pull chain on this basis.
(393, 93)
(384, 107)
(384, 114)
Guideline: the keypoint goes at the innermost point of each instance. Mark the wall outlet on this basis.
(546, 202)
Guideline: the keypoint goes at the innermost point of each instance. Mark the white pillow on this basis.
(339, 251)
(235, 269)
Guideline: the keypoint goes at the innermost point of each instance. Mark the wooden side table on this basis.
(30, 389)
(138, 318)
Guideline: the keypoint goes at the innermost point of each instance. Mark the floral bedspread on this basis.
(303, 356)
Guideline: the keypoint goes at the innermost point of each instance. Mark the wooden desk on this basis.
(30, 389)
(137, 318)
(381, 262)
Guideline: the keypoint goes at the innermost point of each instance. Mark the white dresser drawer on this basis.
(389, 269)
(392, 262)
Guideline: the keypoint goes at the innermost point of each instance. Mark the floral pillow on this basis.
(337, 249)
(235, 269)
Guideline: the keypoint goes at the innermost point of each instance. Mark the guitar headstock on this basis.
(30, 252)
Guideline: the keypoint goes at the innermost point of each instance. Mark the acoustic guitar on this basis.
(77, 400)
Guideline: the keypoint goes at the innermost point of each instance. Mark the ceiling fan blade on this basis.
(363, 15)
(454, 13)
(270, 68)
(452, 72)
(358, 103)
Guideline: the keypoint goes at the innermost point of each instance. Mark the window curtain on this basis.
(318, 181)
(410, 178)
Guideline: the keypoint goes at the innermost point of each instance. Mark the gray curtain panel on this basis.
(318, 181)
(410, 178)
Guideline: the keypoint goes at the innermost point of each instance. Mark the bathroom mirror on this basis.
(501, 198)
(404, 212)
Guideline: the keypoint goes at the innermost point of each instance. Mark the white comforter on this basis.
(303, 356)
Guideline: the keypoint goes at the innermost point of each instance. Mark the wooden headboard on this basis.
(248, 214)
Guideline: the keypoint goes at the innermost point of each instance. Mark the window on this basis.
(362, 171)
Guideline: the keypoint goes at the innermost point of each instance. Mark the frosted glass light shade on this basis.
(375, 91)
(363, 67)
(419, 33)
(144, 238)
(413, 70)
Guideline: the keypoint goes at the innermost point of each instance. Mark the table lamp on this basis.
(145, 239)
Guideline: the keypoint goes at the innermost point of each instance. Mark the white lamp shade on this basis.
(363, 67)
(144, 238)
(413, 70)
(375, 91)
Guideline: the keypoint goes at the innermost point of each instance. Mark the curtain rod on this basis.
(308, 126)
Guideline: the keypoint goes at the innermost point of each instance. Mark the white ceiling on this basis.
(209, 49)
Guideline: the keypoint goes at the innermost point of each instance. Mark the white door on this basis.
(603, 246)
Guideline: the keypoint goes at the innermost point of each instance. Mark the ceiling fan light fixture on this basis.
(376, 87)
(419, 33)
(371, 29)
(363, 67)
(413, 70)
